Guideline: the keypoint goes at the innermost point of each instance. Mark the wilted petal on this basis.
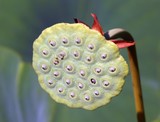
(96, 25)
(123, 43)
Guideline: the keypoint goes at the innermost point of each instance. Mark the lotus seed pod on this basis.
(77, 66)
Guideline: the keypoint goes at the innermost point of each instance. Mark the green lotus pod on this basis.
(77, 66)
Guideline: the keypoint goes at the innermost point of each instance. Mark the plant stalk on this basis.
(127, 37)
(136, 83)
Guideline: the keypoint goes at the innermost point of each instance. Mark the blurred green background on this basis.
(21, 22)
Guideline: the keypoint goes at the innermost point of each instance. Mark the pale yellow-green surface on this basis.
(77, 66)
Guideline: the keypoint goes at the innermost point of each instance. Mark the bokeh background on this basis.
(21, 22)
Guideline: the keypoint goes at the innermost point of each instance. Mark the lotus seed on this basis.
(56, 73)
(52, 43)
(69, 68)
(98, 70)
(44, 67)
(60, 90)
(45, 52)
(89, 58)
(80, 85)
(72, 94)
(68, 81)
(105, 83)
(93, 81)
(82, 73)
(50, 82)
(104, 56)
(65, 41)
(78, 41)
(91, 46)
(76, 54)
(112, 69)
(87, 97)
(96, 93)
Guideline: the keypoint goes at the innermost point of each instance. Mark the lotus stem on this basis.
(136, 83)
(133, 61)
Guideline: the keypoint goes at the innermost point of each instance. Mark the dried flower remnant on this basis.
(73, 55)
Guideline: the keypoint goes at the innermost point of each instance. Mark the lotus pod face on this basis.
(77, 66)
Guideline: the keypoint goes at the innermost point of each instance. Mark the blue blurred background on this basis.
(21, 22)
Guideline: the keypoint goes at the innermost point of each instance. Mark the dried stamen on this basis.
(56, 62)
(62, 55)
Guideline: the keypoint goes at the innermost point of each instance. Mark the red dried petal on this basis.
(96, 25)
(123, 43)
